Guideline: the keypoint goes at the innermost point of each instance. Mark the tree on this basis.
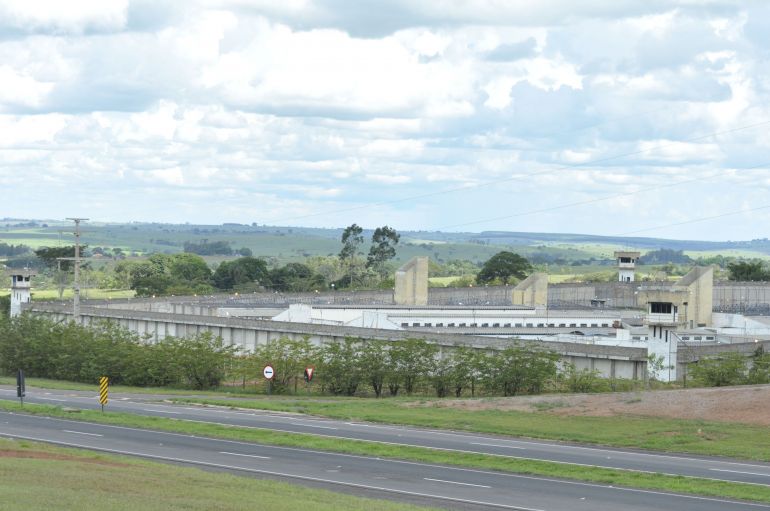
(340, 368)
(409, 362)
(202, 359)
(351, 240)
(295, 277)
(241, 272)
(374, 364)
(50, 255)
(720, 370)
(760, 367)
(383, 249)
(521, 368)
(502, 266)
(748, 271)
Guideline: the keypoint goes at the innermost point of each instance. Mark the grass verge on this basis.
(679, 484)
(83, 480)
(709, 438)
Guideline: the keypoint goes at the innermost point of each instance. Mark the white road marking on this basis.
(159, 411)
(455, 482)
(282, 474)
(81, 432)
(738, 472)
(52, 399)
(245, 455)
(458, 469)
(497, 445)
(312, 425)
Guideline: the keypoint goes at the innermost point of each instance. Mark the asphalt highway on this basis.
(434, 484)
(688, 465)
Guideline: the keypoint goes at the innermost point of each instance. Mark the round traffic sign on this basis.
(268, 372)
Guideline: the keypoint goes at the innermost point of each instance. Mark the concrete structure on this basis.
(532, 291)
(21, 289)
(412, 283)
(626, 265)
(672, 309)
(610, 361)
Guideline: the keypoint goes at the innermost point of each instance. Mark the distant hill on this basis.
(287, 244)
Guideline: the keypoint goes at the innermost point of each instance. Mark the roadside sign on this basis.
(21, 390)
(268, 372)
(309, 374)
(104, 391)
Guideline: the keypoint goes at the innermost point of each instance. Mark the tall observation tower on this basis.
(21, 289)
(626, 265)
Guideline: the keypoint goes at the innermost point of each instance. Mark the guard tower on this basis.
(626, 265)
(21, 289)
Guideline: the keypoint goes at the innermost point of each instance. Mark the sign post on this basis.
(309, 371)
(104, 391)
(21, 389)
(269, 373)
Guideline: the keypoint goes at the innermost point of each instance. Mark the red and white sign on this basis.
(268, 372)
(309, 373)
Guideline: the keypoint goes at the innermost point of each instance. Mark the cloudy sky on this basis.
(602, 117)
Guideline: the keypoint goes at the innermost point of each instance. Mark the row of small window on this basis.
(508, 325)
(697, 338)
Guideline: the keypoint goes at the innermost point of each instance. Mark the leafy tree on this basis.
(206, 247)
(240, 272)
(163, 274)
(409, 362)
(352, 239)
(374, 360)
(748, 271)
(760, 367)
(502, 266)
(7, 250)
(720, 370)
(245, 252)
(49, 256)
(295, 277)
(468, 364)
(189, 268)
(340, 368)
(519, 368)
(383, 249)
(580, 380)
(202, 359)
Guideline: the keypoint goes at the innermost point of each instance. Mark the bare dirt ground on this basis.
(746, 404)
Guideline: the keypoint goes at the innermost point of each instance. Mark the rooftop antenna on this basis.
(76, 285)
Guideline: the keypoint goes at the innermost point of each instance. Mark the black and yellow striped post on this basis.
(104, 391)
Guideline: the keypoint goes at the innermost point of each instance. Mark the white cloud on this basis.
(282, 109)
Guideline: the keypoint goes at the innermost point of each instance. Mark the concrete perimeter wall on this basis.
(610, 361)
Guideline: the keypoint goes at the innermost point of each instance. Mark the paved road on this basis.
(707, 467)
(438, 485)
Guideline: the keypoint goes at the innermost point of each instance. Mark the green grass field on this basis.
(37, 476)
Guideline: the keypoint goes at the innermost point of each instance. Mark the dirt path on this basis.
(745, 404)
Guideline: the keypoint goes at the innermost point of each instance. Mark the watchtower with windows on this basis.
(21, 289)
(626, 265)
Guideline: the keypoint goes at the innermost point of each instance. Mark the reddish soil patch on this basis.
(748, 404)
(41, 455)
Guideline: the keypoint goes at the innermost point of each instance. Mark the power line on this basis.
(525, 176)
(695, 220)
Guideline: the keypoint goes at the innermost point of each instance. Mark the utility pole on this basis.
(76, 286)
